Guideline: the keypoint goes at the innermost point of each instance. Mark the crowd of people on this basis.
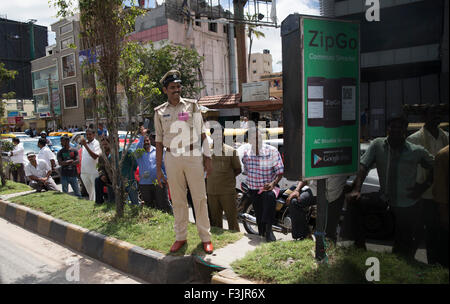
(412, 171)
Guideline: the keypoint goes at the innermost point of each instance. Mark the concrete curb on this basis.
(151, 266)
(228, 276)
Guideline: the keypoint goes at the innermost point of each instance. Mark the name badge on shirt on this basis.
(166, 115)
(183, 116)
(146, 174)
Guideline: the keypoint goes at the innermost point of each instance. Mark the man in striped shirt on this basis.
(264, 169)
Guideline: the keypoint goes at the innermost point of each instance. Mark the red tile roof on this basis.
(220, 101)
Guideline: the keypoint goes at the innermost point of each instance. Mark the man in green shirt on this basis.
(396, 161)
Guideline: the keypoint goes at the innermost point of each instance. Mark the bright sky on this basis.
(45, 15)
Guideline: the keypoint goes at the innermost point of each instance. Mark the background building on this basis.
(260, 64)
(58, 80)
(404, 56)
(275, 84)
(20, 43)
(166, 24)
(19, 113)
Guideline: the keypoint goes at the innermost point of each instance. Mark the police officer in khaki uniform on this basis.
(221, 184)
(179, 128)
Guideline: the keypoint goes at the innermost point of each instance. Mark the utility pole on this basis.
(240, 41)
(50, 98)
(32, 50)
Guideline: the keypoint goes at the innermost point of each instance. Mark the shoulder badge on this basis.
(160, 106)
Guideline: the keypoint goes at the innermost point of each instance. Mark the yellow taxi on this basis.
(60, 134)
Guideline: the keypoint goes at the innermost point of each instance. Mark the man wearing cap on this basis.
(48, 142)
(38, 171)
(396, 161)
(433, 139)
(179, 128)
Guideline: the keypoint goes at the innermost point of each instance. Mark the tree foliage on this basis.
(252, 32)
(104, 25)
(157, 61)
(5, 76)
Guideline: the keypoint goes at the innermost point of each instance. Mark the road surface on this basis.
(27, 258)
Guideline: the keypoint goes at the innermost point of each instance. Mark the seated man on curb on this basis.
(38, 171)
(305, 195)
(264, 169)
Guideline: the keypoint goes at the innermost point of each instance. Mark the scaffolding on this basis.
(255, 12)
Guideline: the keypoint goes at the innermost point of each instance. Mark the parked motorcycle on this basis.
(283, 218)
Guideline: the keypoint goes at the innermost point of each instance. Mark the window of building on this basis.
(68, 65)
(66, 43)
(212, 27)
(40, 78)
(198, 23)
(70, 96)
(225, 29)
(42, 103)
(254, 71)
(66, 28)
(254, 61)
(88, 108)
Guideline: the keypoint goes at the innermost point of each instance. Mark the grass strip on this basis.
(142, 226)
(13, 187)
(292, 262)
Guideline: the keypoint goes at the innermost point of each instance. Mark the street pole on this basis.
(321, 221)
(32, 51)
(240, 41)
(50, 95)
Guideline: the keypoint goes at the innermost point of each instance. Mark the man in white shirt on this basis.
(244, 123)
(46, 154)
(38, 171)
(18, 160)
(89, 157)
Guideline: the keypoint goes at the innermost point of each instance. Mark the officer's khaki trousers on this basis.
(182, 171)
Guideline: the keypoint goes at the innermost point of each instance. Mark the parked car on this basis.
(14, 134)
(75, 139)
(60, 134)
(56, 143)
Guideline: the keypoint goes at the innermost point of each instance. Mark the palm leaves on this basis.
(252, 32)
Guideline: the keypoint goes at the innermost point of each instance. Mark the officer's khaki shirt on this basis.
(440, 186)
(222, 179)
(174, 132)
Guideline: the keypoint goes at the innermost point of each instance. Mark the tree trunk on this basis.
(2, 172)
(249, 53)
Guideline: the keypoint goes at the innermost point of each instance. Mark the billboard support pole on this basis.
(321, 221)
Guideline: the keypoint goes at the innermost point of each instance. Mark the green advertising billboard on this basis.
(330, 109)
